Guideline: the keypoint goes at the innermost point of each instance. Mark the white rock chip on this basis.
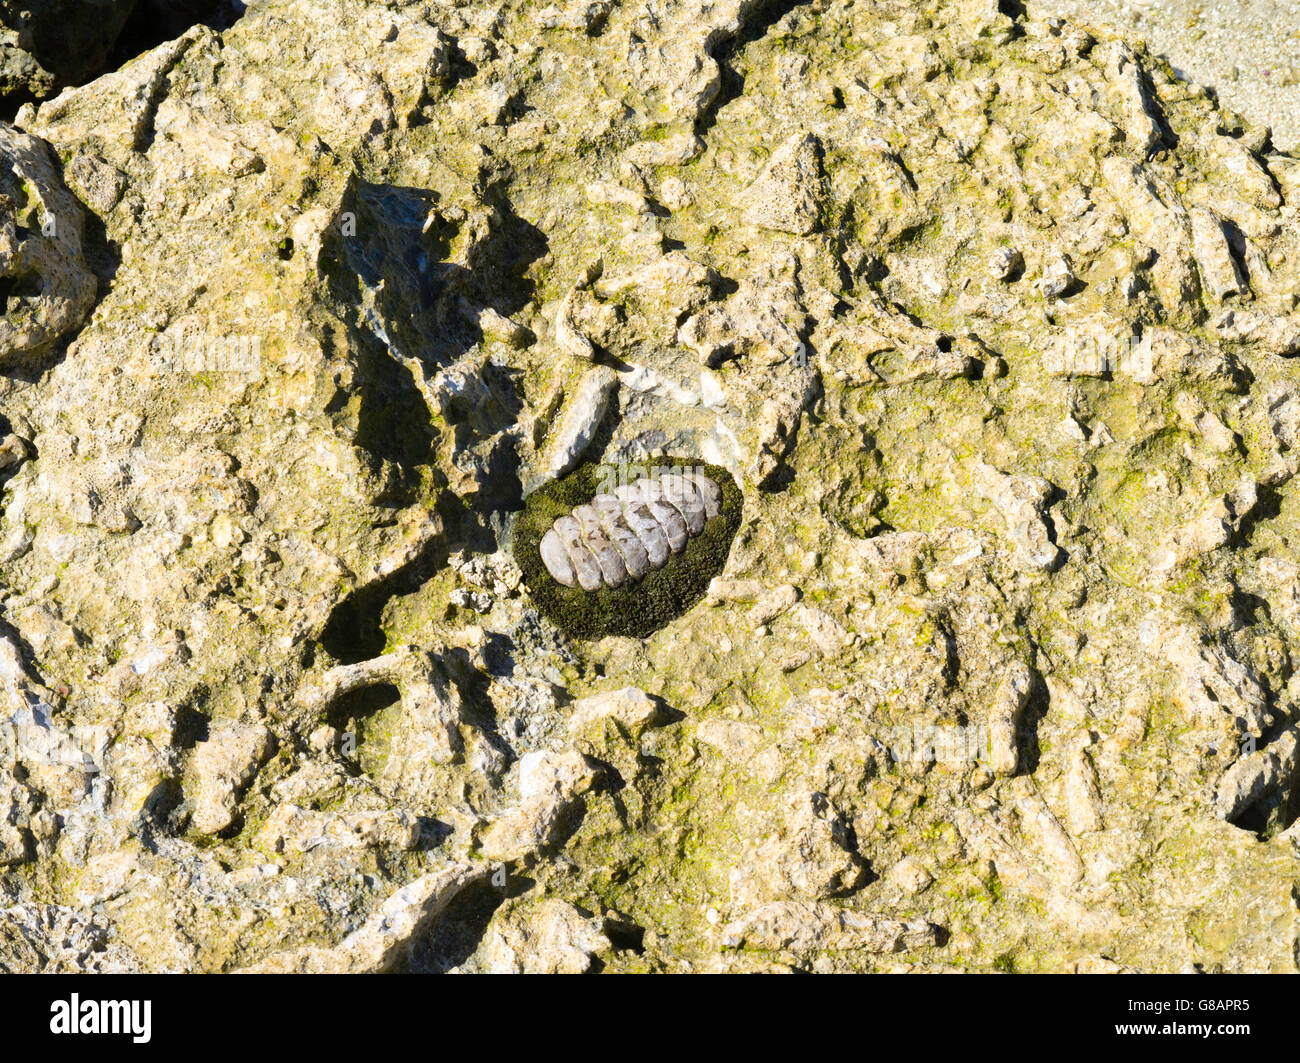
(630, 708)
(581, 419)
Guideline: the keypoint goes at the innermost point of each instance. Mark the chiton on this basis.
(623, 550)
(622, 535)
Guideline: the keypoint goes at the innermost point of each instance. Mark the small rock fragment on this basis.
(223, 766)
(788, 195)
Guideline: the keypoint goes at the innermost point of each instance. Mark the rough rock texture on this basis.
(47, 287)
(50, 939)
(552, 938)
(46, 45)
(991, 320)
(1248, 51)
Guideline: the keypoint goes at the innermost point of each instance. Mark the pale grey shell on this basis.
(621, 536)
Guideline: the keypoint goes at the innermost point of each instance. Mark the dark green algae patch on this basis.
(636, 609)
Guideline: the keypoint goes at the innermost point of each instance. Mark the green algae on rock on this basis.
(639, 608)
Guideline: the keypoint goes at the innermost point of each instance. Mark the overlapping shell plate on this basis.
(619, 536)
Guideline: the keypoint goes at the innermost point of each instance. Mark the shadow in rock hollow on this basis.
(408, 310)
